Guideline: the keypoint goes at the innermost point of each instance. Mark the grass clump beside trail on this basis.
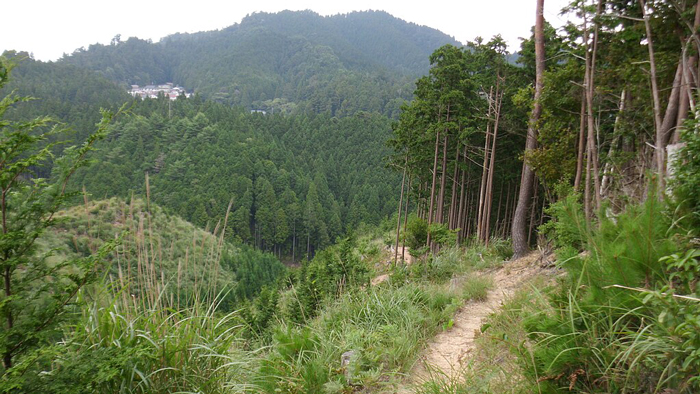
(476, 288)
(382, 327)
(452, 262)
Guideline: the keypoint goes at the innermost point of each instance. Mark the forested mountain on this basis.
(288, 61)
(296, 182)
(67, 93)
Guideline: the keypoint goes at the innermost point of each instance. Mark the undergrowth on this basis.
(624, 319)
(617, 324)
(382, 327)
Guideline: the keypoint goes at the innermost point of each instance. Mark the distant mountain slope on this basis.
(66, 93)
(288, 61)
(360, 39)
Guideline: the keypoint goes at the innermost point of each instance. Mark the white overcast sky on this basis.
(49, 28)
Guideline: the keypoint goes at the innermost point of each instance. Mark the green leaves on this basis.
(684, 269)
(36, 293)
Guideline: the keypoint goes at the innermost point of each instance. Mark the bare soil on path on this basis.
(450, 351)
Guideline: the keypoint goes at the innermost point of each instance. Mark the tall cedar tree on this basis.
(519, 231)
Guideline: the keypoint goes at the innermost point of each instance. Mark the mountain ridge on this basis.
(361, 61)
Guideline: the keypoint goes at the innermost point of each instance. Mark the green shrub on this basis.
(441, 234)
(446, 264)
(331, 272)
(601, 335)
(676, 327)
(567, 228)
(416, 232)
(686, 180)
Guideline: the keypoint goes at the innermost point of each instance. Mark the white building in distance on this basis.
(152, 91)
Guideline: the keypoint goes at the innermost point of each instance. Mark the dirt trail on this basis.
(403, 251)
(450, 351)
(408, 260)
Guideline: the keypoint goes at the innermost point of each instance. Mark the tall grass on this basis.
(155, 249)
(384, 327)
(139, 333)
(159, 351)
(457, 261)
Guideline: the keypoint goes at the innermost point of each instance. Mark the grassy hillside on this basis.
(162, 251)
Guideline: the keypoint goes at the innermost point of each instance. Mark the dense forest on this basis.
(396, 181)
(297, 183)
(589, 127)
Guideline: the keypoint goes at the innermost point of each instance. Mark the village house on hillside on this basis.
(152, 91)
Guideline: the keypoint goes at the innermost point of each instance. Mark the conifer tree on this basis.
(35, 293)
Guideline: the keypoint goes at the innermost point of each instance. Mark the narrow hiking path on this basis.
(450, 351)
(391, 253)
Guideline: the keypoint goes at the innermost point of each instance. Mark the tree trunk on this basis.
(684, 103)
(419, 205)
(513, 206)
(489, 185)
(532, 215)
(608, 170)
(432, 188)
(587, 188)
(468, 211)
(498, 212)
(581, 143)
(592, 148)
(443, 182)
(405, 220)
(398, 221)
(506, 215)
(453, 200)
(519, 228)
(659, 152)
(591, 123)
(671, 115)
(484, 170)
(460, 221)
